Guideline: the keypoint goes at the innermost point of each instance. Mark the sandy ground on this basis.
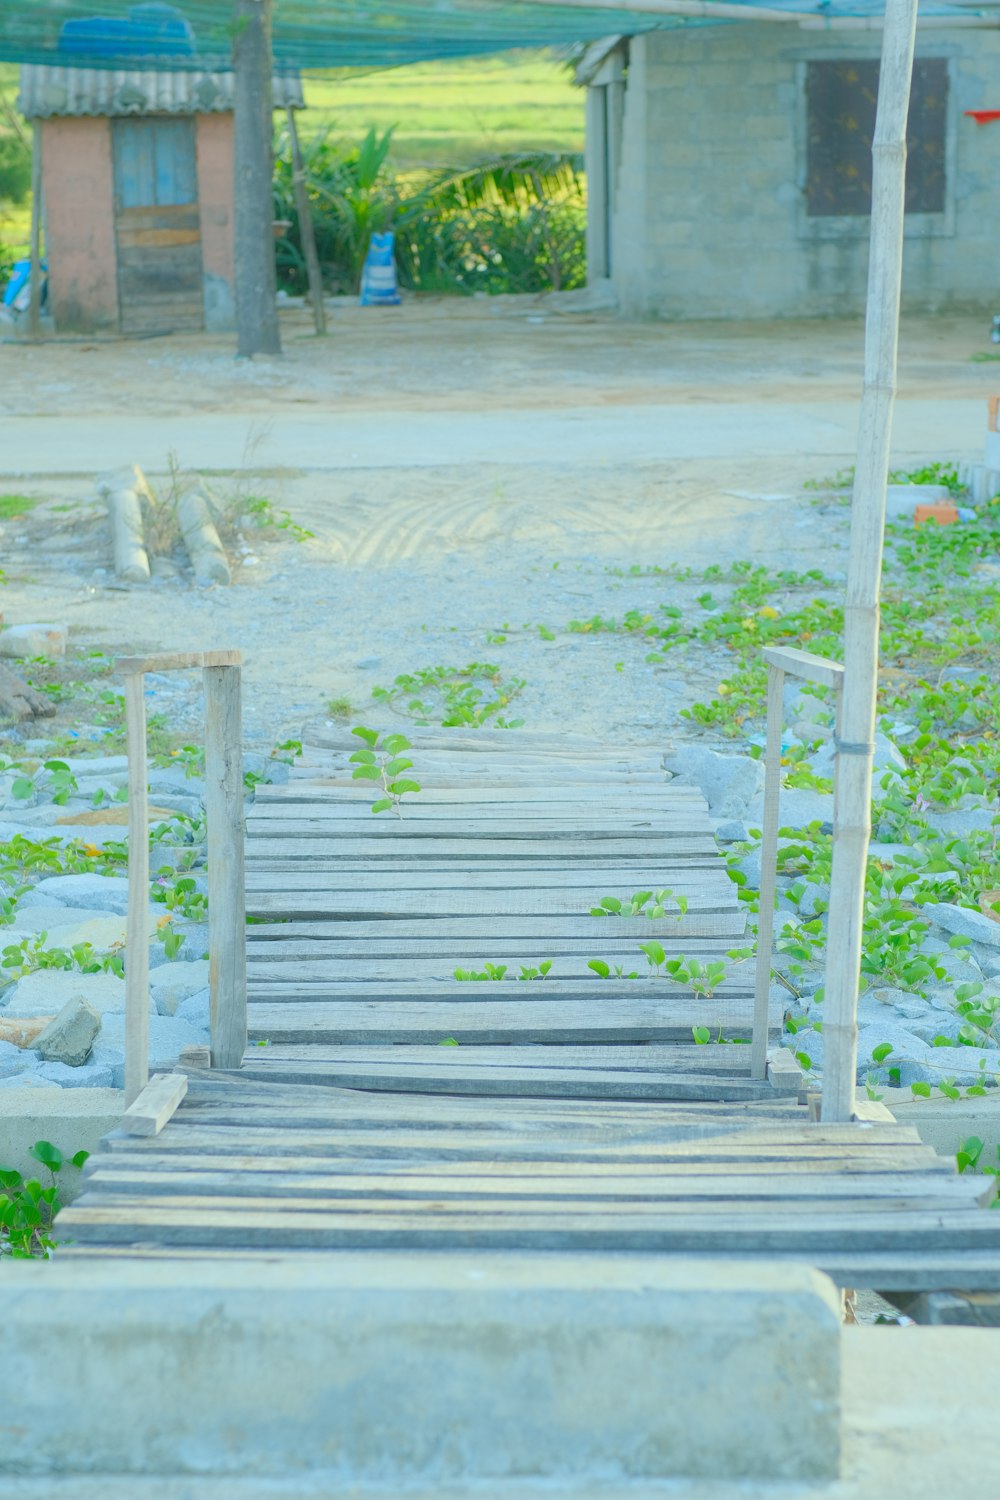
(419, 562)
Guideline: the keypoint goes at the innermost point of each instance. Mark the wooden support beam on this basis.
(157, 1103)
(226, 879)
(137, 926)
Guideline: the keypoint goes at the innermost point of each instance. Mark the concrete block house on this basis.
(137, 185)
(729, 170)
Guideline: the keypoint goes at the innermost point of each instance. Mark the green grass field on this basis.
(455, 113)
(445, 114)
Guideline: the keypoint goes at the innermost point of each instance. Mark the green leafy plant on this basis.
(27, 1208)
(453, 696)
(383, 762)
(638, 905)
(488, 972)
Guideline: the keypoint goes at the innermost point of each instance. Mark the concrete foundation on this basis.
(72, 1119)
(385, 1370)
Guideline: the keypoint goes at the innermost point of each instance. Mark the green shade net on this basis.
(335, 33)
(332, 33)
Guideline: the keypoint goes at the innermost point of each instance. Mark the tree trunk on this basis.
(255, 285)
(19, 701)
(855, 747)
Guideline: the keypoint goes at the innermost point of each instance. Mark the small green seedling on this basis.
(383, 762)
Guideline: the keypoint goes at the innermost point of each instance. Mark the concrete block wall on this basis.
(710, 218)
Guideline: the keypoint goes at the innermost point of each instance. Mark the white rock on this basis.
(728, 781)
(176, 982)
(98, 892)
(33, 640)
(195, 1010)
(45, 992)
(965, 923)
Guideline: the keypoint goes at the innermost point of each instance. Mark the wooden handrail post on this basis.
(137, 929)
(768, 870)
(226, 879)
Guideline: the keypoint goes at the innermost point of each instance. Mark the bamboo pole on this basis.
(855, 742)
(768, 870)
(137, 925)
(227, 975)
(306, 231)
(35, 252)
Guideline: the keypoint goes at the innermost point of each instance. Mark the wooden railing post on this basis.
(137, 928)
(781, 661)
(226, 879)
(768, 870)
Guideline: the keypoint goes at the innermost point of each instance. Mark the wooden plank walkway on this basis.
(574, 1112)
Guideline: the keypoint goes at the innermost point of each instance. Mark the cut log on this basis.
(19, 701)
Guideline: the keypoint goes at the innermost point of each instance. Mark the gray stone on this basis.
(961, 823)
(176, 982)
(731, 831)
(797, 808)
(46, 991)
(988, 960)
(26, 1080)
(14, 1060)
(195, 1010)
(959, 1065)
(167, 1036)
(106, 893)
(468, 1373)
(728, 781)
(965, 923)
(92, 1075)
(70, 1036)
(33, 640)
(906, 1048)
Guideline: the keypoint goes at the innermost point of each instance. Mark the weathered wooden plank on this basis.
(537, 909)
(508, 1082)
(624, 1186)
(649, 1057)
(573, 881)
(484, 1023)
(155, 1105)
(813, 1229)
(501, 926)
(344, 789)
(534, 1175)
(270, 857)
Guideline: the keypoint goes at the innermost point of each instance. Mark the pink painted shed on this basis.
(137, 184)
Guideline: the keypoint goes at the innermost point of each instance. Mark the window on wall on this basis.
(840, 124)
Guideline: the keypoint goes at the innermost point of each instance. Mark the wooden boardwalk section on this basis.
(382, 1103)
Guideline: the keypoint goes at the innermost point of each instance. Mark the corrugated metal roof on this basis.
(46, 90)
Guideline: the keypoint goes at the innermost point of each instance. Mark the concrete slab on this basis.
(387, 1370)
(946, 1123)
(72, 1119)
(898, 1386)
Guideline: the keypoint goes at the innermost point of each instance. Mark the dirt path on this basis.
(414, 566)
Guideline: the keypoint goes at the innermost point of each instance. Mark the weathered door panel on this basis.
(157, 225)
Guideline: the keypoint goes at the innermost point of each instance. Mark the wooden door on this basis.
(157, 226)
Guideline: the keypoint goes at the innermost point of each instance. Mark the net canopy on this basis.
(194, 34)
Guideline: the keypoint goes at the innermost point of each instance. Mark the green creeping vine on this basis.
(27, 1209)
(453, 696)
(638, 905)
(383, 762)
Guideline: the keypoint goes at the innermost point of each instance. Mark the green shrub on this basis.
(514, 224)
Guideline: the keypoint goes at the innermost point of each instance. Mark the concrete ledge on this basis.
(946, 1123)
(385, 1370)
(72, 1119)
(897, 1383)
